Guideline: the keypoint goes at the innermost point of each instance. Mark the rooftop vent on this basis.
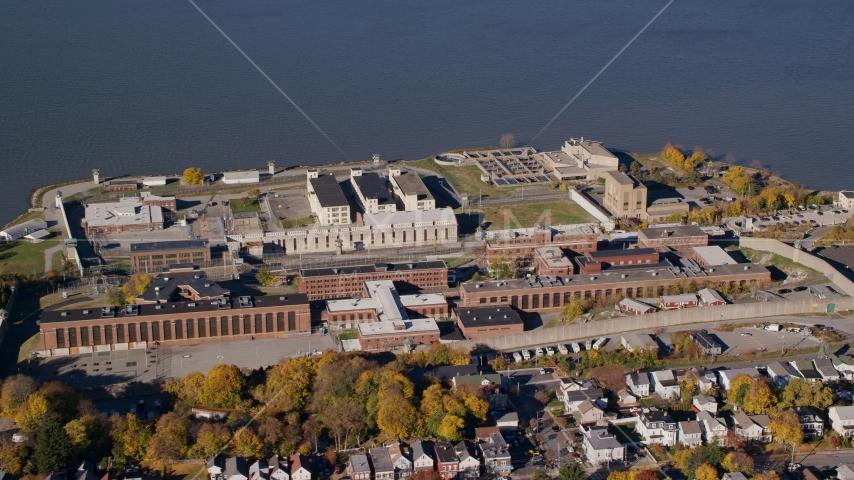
(107, 312)
(335, 270)
(245, 301)
(132, 310)
(64, 314)
(592, 277)
(625, 275)
(191, 304)
(207, 285)
(410, 265)
(747, 267)
(654, 274)
(156, 289)
(158, 307)
(86, 311)
(197, 276)
(165, 279)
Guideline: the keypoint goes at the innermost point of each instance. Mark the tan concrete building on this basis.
(372, 193)
(327, 200)
(410, 190)
(591, 156)
(152, 257)
(625, 197)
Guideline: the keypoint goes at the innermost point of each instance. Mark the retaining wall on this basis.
(600, 328)
(70, 251)
(800, 256)
(591, 208)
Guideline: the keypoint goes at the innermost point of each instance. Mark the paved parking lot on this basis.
(827, 216)
(757, 339)
(108, 368)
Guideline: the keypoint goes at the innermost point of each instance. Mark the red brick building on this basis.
(519, 245)
(491, 321)
(166, 203)
(392, 335)
(121, 185)
(681, 237)
(107, 328)
(447, 463)
(343, 282)
(672, 302)
(552, 293)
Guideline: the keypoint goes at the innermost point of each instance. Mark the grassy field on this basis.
(454, 261)
(297, 222)
(27, 217)
(86, 302)
(465, 179)
(237, 206)
(31, 345)
(625, 433)
(801, 274)
(561, 212)
(25, 257)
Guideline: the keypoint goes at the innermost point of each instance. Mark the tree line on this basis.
(290, 407)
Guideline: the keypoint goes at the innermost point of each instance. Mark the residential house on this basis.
(746, 427)
(422, 456)
(842, 420)
(844, 365)
(278, 468)
(806, 369)
(714, 429)
(638, 382)
(690, 434)
(825, 368)
(727, 376)
(708, 344)
(359, 467)
(706, 379)
(734, 476)
(507, 421)
(640, 341)
(236, 469)
(381, 463)
(811, 421)
(469, 463)
(400, 458)
(259, 470)
(496, 455)
(300, 467)
(447, 463)
(626, 397)
(665, 384)
(845, 199)
(781, 373)
(587, 412)
(480, 380)
(705, 403)
(657, 426)
(601, 446)
(573, 392)
(482, 434)
(845, 472)
(215, 465)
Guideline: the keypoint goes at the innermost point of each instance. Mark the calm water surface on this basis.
(137, 87)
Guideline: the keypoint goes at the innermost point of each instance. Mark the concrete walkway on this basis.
(48, 257)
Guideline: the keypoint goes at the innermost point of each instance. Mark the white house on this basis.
(727, 376)
(842, 420)
(825, 368)
(781, 373)
(17, 231)
(657, 426)
(705, 403)
(845, 200)
(399, 454)
(845, 472)
(640, 341)
(300, 468)
(714, 429)
(587, 412)
(469, 463)
(665, 384)
(690, 434)
(215, 465)
(421, 457)
(751, 427)
(602, 447)
(259, 470)
(638, 382)
(278, 468)
(236, 178)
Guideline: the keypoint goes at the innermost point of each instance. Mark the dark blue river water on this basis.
(151, 87)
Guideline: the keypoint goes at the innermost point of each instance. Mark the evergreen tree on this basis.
(53, 450)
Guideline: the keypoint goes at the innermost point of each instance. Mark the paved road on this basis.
(48, 257)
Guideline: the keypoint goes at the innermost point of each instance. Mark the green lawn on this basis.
(86, 302)
(625, 433)
(454, 261)
(465, 179)
(348, 335)
(239, 206)
(25, 257)
(27, 217)
(29, 346)
(297, 222)
(560, 212)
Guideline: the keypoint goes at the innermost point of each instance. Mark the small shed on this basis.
(711, 298)
(635, 307)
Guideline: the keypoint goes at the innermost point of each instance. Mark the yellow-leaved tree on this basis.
(396, 416)
(194, 176)
(786, 429)
(450, 427)
(760, 396)
(738, 462)
(223, 387)
(706, 472)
